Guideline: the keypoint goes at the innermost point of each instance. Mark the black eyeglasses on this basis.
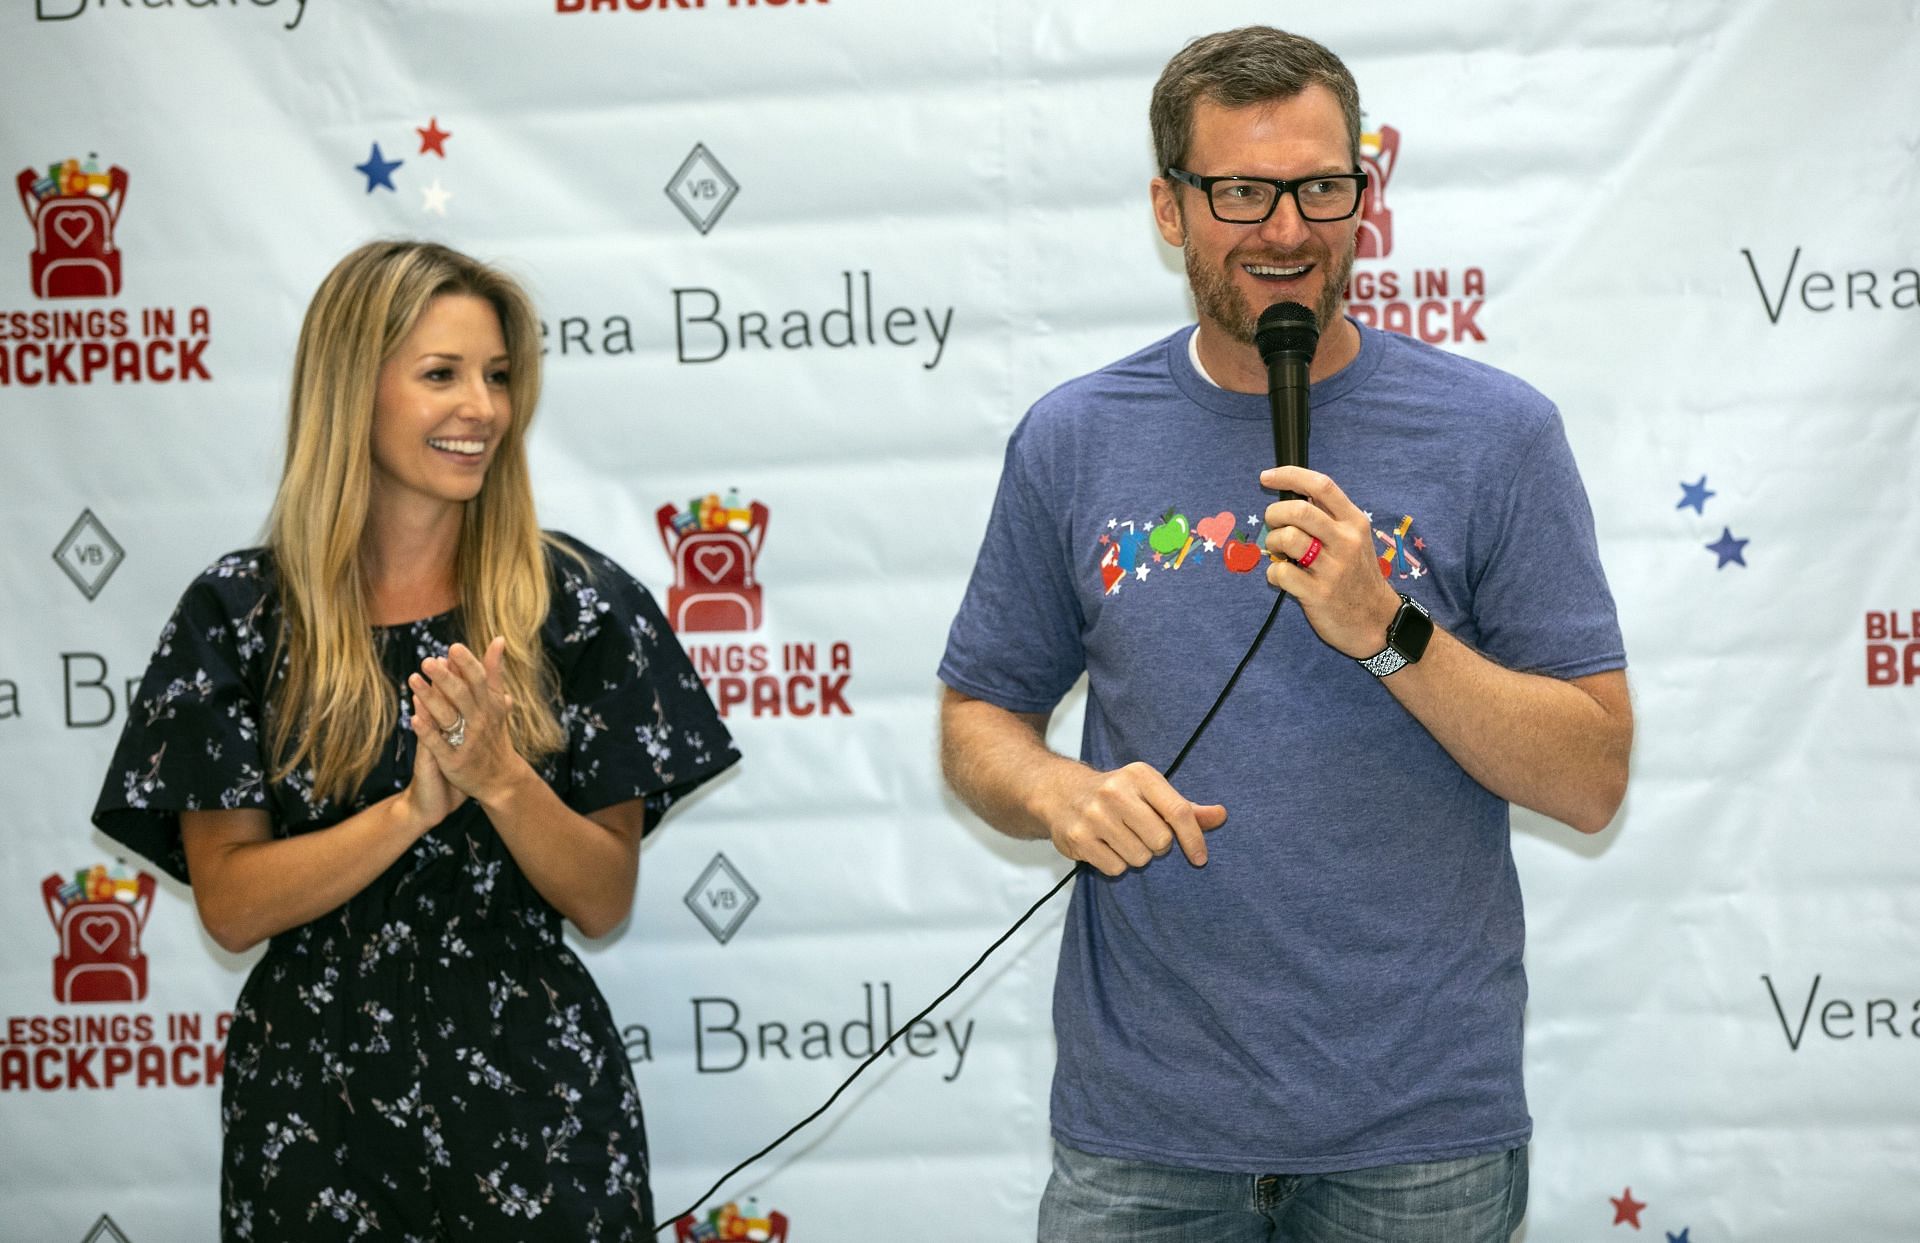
(1250, 200)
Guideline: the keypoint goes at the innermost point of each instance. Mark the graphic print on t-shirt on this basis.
(1134, 549)
(1399, 548)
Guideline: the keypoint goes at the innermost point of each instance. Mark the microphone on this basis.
(1286, 337)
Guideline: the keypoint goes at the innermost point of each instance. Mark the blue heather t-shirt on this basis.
(1341, 985)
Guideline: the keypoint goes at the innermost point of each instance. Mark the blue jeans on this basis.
(1094, 1199)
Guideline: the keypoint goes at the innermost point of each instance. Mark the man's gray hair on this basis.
(1235, 68)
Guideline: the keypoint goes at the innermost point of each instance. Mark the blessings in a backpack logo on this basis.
(73, 208)
(99, 913)
(714, 545)
(714, 542)
(104, 1042)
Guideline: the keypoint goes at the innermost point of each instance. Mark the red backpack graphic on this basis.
(1376, 219)
(713, 583)
(73, 251)
(726, 1224)
(100, 958)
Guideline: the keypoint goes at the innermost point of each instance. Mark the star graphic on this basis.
(1728, 549)
(1112, 523)
(1678, 1238)
(1253, 520)
(1207, 545)
(1419, 543)
(433, 138)
(379, 171)
(1140, 572)
(436, 198)
(1695, 495)
(1626, 1209)
(1156, 558)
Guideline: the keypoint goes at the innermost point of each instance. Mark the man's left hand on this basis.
(1339, 587)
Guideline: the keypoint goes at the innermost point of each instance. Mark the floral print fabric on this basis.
(430, 1060)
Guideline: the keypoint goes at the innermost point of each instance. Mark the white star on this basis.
(436, 198)
(1206, 545)
(1112, 523)
(1368, 513)
(1140, 572)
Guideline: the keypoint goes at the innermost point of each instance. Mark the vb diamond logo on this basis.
(89, 554)
(722, 899)
(702, 188)
(104, 1231)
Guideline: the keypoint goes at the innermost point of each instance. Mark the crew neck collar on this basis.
(1205, 393)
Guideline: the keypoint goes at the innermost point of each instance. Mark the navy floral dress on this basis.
(429, 1061)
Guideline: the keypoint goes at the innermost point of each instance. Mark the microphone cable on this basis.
(1280, 599)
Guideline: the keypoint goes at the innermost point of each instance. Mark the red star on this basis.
(1419, 543)
(1626, 1208)
(432, 137)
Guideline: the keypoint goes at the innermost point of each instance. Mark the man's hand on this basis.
(1339, 587)
(1124, 818)
(999, 764)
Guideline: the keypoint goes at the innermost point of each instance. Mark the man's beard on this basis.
(1217, 298)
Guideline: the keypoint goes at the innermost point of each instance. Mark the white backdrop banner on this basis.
(804, 264)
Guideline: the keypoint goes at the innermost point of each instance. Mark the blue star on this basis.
(1695, 494)
(1678, 1238)
(1728, 549)
(379, 171)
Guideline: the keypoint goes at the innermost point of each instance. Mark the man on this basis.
(1312, 1024)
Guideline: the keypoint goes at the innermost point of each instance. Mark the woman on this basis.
(400, 743)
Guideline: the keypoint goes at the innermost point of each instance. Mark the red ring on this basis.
(1307, 557)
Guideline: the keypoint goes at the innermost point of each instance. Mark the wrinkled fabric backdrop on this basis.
(802, 266)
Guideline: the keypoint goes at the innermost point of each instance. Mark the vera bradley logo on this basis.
(1839, 1018)
(1820, 291)
(68, 10)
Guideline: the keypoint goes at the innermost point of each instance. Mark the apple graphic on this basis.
(1241, 555)
(1171, 535)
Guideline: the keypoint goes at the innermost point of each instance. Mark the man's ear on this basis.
(1168, 215)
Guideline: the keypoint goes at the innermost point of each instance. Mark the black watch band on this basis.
(1407, 636)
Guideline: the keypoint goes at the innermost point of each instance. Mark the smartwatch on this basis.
(1407, 636)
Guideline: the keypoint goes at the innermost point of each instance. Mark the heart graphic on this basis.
(99, 931)
(75, 226)
(713, 563)
(1218, 528)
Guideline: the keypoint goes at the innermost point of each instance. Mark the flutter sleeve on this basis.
(639, 723)
(192, 738)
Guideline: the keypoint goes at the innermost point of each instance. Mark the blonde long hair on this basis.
(335, 709)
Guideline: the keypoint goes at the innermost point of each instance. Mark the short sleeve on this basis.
(1016, 640)
(192, 741)
(639, 722)
(1542, 604)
